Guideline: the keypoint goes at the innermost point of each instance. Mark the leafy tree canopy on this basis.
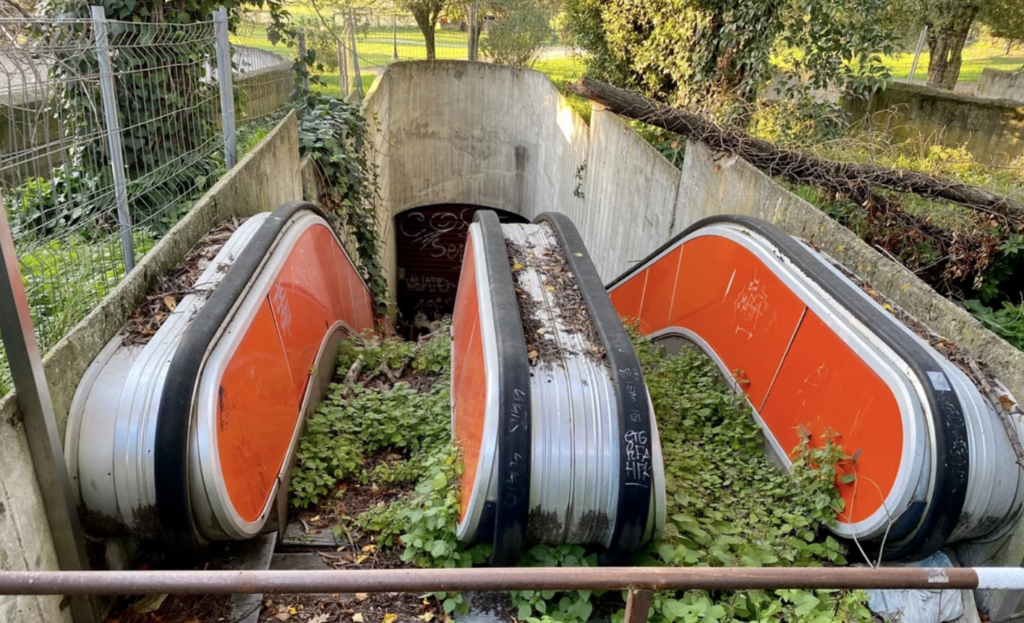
(706, 53)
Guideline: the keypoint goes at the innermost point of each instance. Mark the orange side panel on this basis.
(316, 287)
(727, 296)
(824, 384)
(628, 296)
(464, 316)
(660, 291)
(255, 419)
(469, 396)
(303, 309)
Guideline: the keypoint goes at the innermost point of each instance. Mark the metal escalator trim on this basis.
(636, 457)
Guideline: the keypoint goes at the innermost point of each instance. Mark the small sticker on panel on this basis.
(939, 381)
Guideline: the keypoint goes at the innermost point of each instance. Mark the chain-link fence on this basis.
(109, 131)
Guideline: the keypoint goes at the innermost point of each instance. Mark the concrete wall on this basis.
(472, 133)
(992, 130)
(266, 90)
(267, 177)
(1000, 84)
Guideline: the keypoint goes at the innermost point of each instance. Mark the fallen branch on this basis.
(856, 181)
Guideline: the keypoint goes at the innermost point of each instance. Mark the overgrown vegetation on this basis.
(728, 505)
(717, 57)
(335, 135)
(964, 254)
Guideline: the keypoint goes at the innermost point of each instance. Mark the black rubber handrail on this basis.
(514, 412)
(952, 453)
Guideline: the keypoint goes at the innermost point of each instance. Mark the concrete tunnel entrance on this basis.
(430, 242)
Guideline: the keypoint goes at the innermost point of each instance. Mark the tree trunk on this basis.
(1009, 45)
(427, 21)
(428, 36)
(946, 46)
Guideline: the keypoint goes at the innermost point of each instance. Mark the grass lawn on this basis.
(976, 57)
(562, 71)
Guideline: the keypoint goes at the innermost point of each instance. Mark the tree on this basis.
(950, 21)
(426, 13)
(714, 53)
(520, 29)
(1006, 20)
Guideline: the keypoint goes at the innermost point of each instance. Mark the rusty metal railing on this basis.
(639, 581)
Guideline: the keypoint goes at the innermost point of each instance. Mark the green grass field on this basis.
(976, 57)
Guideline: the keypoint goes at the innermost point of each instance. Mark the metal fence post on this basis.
(357, 77)
(301, 40)
(394, 36)
(124, 217)
(472, 31)
(227, 90)
(33, 394)
(917, 54)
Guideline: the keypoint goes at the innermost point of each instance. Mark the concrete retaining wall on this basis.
(267, 177)
(992, 130)
(266, 90)
(447, 132)
(1000, 84)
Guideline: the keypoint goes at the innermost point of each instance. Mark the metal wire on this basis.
(263, 70)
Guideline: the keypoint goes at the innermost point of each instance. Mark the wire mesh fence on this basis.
(109, 131)
(264, 78)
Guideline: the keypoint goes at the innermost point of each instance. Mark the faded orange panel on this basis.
(256, 416)
(629, 295)
(823, 384)
(470, 409)
(469, 389)
(732, 300)
(660, 291)
(304, 308)
(464, 316)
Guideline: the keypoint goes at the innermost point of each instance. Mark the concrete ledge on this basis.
(267, 177)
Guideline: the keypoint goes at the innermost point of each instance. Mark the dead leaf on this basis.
(282, 616)
(389, 618)
(320, 618)
(149, 603)
(357, 617)
(369, 549)
(170, 302)
(362, 558)
(517, 266)
(427, 616)
(362, 596)
(542, 330)
(533, 354)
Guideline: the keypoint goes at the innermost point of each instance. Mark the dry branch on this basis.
(856, 181)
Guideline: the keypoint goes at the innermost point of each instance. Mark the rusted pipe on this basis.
(499, 579)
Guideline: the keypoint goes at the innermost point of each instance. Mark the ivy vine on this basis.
(334, 134)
